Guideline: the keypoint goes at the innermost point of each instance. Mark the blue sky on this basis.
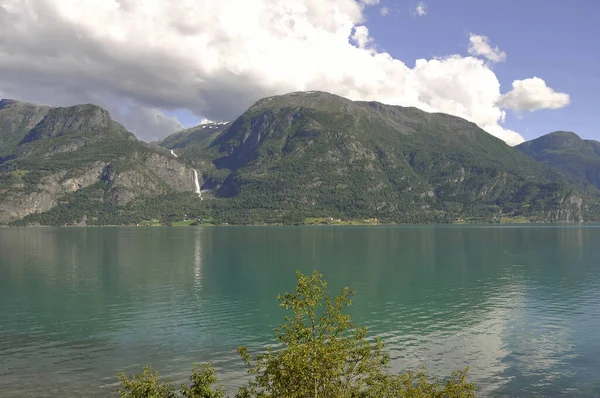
(160, 65)
(550, 39)
(556, 40)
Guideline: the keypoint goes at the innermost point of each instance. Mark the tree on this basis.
(202, 378)
(321, 354)
(147, 385)
(324, 355)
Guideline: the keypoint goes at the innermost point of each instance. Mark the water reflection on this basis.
(198, 259)
(520, 305)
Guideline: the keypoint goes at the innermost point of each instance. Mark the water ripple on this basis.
(520, 306)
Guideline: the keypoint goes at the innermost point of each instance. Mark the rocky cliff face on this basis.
(83, 118)
(16, 120)
(52, 153)
(156, 175)
(19, 200)
(179, 177)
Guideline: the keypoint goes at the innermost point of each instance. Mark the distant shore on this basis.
(311, 222)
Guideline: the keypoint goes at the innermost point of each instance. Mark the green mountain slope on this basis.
(193, 146)
(319, 155)
(196, 137)
(51, 154)
(567, 152)
(296, 158)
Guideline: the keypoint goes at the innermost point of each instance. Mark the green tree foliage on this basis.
(320, 354)
(202, 378)
(148, 385)
(323, 354)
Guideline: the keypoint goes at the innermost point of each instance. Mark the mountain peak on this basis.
(564, 150)
(211, 124)
(83, 118)
(563, 134)
(313, 94)
(6, 102)
(307, 99)
(555, 141)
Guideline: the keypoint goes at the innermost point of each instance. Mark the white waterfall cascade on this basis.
(173, 153)
(198, 191)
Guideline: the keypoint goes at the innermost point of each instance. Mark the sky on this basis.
(518, 69)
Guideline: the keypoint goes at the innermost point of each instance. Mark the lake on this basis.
(519, 304)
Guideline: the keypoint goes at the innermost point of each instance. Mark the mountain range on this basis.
(565, 151)
(304, 157)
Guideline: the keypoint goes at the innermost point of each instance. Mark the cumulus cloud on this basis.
(143, 57)
(361, 36)
(420, 10)
(480, 46)
(383, 11)
(531, 95)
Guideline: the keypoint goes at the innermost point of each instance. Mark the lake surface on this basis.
(519, 304)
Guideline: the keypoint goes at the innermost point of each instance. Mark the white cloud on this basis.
(420, 10)
(361, 36)
(531, 95)
(162, 55)
(384, 11)
(480, 46)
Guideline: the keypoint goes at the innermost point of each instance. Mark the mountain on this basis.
(314, 154)
(52, 156)
(567, 152)
(305, 157)
(195, 137)
(16, 120)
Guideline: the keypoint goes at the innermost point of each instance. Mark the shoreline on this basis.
(478, 223)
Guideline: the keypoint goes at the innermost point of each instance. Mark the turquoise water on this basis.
(519, 304)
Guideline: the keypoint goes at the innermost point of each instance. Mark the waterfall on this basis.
(198, 191)
(173, 153)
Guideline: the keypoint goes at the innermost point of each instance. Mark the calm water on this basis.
(520, 305)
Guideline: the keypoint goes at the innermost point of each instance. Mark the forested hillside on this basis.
(306, 157)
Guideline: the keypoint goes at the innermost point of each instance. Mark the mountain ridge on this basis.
(50, 154)
(288, 158)
(565, 151)
(258, 146)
